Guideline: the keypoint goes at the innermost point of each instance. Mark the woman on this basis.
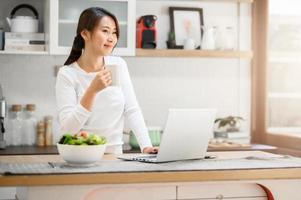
(85, 99)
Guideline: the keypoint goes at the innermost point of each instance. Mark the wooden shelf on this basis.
(70, 21)
(25, 52)
(234, 1)
(192, 53)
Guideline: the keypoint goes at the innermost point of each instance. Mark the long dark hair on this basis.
(88, 20)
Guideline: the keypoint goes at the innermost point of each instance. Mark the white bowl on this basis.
(81, 154)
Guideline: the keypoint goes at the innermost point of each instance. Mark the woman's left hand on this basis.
(151, 150)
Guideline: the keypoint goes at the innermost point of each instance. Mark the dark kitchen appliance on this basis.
(2, 116)
(147, 32)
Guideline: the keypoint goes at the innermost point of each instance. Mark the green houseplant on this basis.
(229, 123)
(171, 42)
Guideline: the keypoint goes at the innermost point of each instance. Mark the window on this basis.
(277, 73)
(284, 67)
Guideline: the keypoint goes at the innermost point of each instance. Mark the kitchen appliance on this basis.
(2, 116)
(23, 24)
(147, 32)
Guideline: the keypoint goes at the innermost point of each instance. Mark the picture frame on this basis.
(186, 23)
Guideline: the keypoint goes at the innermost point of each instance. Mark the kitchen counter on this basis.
(158, 184)
(52, 150)
(144, 177)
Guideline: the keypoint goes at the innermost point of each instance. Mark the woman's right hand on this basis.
(102, 80)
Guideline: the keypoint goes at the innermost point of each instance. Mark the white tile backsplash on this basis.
(160, 83)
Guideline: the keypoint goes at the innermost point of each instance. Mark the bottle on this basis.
(30, 123)
(2, 119)
(1, 35)
(208, 42)
(14, 128)
(48, 130)
(220, 38)
(40, 134)
(229, 38)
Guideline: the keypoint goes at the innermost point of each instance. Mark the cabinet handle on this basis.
(220, 196)
(267, 191)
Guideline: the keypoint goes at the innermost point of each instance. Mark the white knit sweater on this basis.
(112, 107)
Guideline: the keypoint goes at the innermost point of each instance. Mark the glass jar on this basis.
(30, 123)
(14, 127)
(230, 36)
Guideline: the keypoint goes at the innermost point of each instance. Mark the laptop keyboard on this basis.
(148, 158)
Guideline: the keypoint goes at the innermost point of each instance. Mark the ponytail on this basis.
(76, 51)
(88, 20)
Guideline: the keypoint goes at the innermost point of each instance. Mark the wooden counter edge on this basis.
(149, 177)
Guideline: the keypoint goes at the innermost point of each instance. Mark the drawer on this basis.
(7, 193)
(223, 190)
(96, 192)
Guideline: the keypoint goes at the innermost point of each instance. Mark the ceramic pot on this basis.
(154, 134)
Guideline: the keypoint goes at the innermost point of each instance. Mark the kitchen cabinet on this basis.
(179, 191)
(215, 190)
(6, 6)
(63, 19)
(7, 193)
(230, 190)
(60, 18)
(103, 192)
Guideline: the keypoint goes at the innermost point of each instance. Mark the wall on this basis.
(216, 13)
(160, 83)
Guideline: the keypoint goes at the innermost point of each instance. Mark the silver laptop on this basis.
(186, 136)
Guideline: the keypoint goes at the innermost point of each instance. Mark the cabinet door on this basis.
(64, 15)
(7, 193)
(226, 190)
(95, 192)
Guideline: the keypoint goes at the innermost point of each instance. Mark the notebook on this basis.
(186, 136)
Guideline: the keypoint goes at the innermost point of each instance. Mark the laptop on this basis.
(186, 136)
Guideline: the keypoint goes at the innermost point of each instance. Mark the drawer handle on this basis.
(220, 196)
(267, 191)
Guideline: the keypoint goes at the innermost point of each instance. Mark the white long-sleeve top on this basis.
(113, 106)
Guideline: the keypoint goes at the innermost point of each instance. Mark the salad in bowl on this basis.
(82, 148)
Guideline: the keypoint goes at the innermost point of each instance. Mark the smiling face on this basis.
(103, 38)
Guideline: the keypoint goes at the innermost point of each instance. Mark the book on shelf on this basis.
(30, 47)
(23, 42)
(27, 36)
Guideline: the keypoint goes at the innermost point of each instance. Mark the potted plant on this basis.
(229, 123)
(171, 42)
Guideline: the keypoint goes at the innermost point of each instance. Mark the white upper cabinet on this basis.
(59, 18)
(64, 15)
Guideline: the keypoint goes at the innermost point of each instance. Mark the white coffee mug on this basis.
(115, 74)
